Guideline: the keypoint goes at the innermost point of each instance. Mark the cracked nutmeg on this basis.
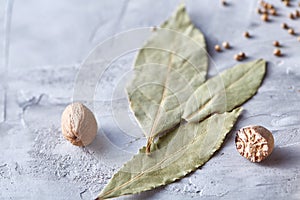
(78, 124)
(254, 143)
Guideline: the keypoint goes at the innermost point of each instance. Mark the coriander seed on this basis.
(217, 48)
(286, 3)
(262, 3)
(291, 31)
(265, 17)
(273, 12)
(270, 6)
(264, 11)
(226, 45)
(276, 43)
(242, 54)
(246, 34)
(277, 52)
(237, 57)
(284, 26)
(291, 16)
(297, 13)
(258, 11)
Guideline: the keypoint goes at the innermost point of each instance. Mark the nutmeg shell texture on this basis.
(255, 143)
(78, 124)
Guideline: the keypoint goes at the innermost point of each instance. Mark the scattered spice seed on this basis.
(264, 11)
(277, 52)
(237, 57)
(286, 3)
(242, 54)
(291, 16)
(273, 12)
(297, 13)
(258, 11)
(270, 6)
(276, 43)
(246, 34)
(224, 3)
(226, 45)
(284, 26)
(265, 17)
(291, 31)
(217, 48)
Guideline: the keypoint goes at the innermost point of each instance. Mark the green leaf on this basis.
(174, 155)
(222, 93)
(168, 69)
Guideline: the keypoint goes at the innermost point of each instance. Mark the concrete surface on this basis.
(43, 44)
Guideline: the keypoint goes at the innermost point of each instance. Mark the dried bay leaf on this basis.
(226, 91)
(168, 87)
(173, 156)
(168, 69)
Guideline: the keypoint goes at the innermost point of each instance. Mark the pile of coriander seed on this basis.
(267, 11)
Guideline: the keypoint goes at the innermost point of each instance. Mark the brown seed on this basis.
(246, 34)
(276, 43)
(264, 11)
(262, 3)
(291, 16)
(237, 57)
(277, 52)
(258, 11)
(265, 17)
(224, 3)
(254, 143)
(291, 31)
(269, 6)
(297, 13)
(226, 45)
(287, 3)
(284, 25)
(217, 48)
(273, 12)
(242, 55)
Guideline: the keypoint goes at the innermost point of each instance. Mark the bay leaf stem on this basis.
(157, 118)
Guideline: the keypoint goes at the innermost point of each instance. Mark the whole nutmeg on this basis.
(78, 124)
(254, 143)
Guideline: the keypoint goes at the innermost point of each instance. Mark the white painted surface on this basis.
(46, 41)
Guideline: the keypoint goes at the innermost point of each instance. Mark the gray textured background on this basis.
(43, 43)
